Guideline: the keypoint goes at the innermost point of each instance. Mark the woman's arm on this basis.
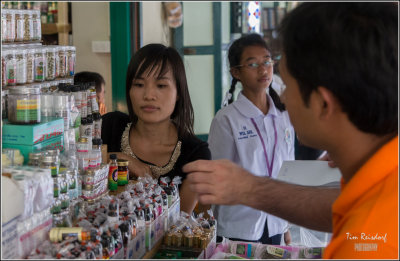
(188, 198)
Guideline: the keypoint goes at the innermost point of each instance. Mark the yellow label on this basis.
(27, 104)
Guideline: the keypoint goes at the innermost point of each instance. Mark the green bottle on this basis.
(113, 173)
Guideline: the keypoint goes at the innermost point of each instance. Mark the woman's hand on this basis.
(136, 167)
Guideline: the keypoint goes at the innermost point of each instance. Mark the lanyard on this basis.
(269, 167)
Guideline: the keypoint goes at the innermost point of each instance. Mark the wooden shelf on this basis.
(55, 28)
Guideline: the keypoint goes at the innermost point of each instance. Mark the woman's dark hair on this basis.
(159, 57)
(352, 50)
(234, 56)
(86, 77)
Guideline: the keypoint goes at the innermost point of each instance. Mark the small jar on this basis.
(34, 159)
(3, 68)
(62, 108)
(55, 207)
(30, 68)
(53, 85)
(11, 66)
(47, 108)
(82, 145)
(28, 21)
(21, 62)
(63, 68)
(4, 97)
(51, 63)
(71, 58)
(47, 162)
(73, 178)
(3, 24)
(40, 64)
(63, 185)
(10, 26)
(37, 26)
(24, 105)
(57, 60)
(45, 87)
(64, 201)
(19, 26)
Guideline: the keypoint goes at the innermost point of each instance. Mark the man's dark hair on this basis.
(159, 57)
(352, 50)
(85, 77)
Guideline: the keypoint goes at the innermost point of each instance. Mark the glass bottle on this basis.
(113, 173)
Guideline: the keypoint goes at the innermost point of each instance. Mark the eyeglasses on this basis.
(256, 65)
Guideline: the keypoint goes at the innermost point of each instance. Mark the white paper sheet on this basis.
(309, 173)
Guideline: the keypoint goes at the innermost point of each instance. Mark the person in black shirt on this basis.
(157, 137)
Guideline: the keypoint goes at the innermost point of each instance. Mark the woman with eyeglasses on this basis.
(254, 132)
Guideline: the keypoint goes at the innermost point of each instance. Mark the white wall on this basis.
(154, 30)
(91, 22)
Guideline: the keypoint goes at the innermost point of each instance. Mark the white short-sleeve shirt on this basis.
(235, 135)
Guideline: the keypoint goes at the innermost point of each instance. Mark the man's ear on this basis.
(325, 102)
(235, 73)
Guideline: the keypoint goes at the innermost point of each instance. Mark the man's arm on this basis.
(309, 207)
(225, 183)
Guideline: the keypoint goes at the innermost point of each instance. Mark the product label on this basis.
(39, 69)
(10, 31)
(27, 110)
(21, 72)
(54, 171)
(97, 129)
(66, 235)
(71, 66)
(56, 192)
(36, 30)
(11, 69)
(3, 28)
(82, 147)
(122, 177)
(95, 105)
(113, 178)
(20, 26)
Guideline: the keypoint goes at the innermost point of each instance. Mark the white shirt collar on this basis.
(248, 109)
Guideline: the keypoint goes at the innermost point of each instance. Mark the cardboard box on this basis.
(55, 143)
(33, 134)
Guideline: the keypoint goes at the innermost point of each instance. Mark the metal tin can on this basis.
(188, 240)
(203, 242)
(34, 159)
(168, 239)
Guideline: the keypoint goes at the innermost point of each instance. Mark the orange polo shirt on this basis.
(365, 215)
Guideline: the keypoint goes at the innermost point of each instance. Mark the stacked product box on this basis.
(35, 137)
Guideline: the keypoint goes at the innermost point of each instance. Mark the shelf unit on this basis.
(62, 27)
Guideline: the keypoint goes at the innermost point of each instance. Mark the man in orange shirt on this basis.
(340, 67)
